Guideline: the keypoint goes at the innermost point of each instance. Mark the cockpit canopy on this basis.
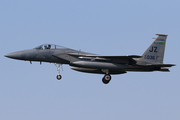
(49, 46)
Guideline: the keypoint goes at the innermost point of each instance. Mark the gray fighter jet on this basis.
(151, 59)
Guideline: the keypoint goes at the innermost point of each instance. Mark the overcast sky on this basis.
(107, 27)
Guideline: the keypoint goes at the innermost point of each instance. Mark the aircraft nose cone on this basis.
(14, 55)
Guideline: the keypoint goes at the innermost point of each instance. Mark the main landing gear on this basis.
(106, 79)
(58, 66)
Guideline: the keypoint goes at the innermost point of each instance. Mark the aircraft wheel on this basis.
(58, 77)
(106, 79)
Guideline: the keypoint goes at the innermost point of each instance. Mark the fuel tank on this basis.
(97, 71)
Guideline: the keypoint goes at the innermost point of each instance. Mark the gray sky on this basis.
(107, 27)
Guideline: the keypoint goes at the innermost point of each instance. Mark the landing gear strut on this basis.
(58, 69)
(106, 79)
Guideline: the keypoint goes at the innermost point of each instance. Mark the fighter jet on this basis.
(150, 60)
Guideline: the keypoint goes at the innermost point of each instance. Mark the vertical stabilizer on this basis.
(155, 52)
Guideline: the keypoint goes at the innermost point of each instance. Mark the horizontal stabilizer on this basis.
(158, 65)
(164, 69)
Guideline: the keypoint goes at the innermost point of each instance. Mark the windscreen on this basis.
(49, 46)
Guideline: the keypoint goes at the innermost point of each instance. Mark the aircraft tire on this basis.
(58, 77)
(106, 79)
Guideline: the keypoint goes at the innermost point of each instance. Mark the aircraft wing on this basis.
(127, 59)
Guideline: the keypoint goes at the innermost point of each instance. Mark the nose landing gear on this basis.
(58, 69)
(58, 77)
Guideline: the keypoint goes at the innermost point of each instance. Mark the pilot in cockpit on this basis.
(49, 47)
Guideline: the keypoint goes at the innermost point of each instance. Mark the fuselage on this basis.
(60, 55)
(150, 60)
